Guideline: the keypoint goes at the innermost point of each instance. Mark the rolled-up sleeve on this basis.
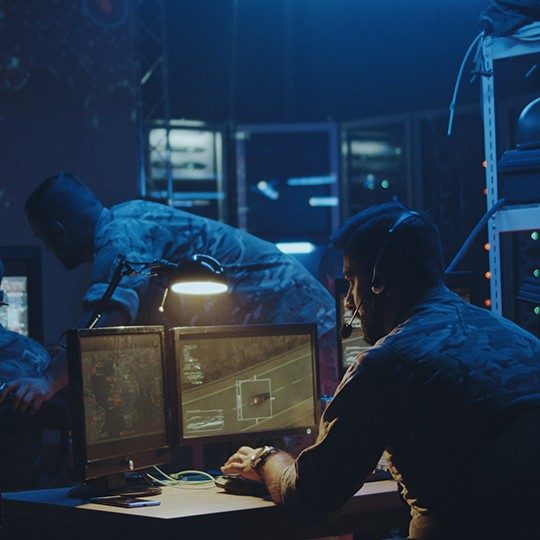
(350, 442)
(124, 298)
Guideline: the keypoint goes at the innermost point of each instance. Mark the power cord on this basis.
(452, 106)
(473, 234)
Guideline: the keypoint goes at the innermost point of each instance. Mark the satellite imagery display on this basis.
(123, 387)
(232, 384)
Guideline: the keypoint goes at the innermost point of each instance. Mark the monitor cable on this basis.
(182, 479)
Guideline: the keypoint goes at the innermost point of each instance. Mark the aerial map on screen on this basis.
(235, 384)
(123, 392)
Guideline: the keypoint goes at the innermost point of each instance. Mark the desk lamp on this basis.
(198, 274)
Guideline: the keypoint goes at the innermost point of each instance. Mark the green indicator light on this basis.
(535, 235)
(536, 272)
(385, 184)
(537, 310)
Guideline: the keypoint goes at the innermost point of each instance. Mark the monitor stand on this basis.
(113, 484)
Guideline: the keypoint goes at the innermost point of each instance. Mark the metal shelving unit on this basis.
(510, 218)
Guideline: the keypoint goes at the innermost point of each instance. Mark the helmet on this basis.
(528, 128)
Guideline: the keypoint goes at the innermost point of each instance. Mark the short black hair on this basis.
(413, 249)
(34, 204)
(61, 197)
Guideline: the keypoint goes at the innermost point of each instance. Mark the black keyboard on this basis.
(238, 485)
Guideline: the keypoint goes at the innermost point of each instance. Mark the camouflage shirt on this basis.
(266, 286)
(433, 393)
(21, 356)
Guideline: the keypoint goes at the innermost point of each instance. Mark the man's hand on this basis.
(27, 394)
(240, 463)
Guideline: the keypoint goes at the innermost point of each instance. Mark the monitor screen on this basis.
(15, 315)
(240, 380)
(117, 387)
(351, 347)
(22, 288)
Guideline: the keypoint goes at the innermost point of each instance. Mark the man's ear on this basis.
(58, 230)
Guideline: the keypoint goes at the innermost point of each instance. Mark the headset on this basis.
(378, 281)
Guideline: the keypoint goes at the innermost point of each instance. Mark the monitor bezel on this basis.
(86, 469)
(244, 331)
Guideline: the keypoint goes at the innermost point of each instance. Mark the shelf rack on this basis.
(510, 218)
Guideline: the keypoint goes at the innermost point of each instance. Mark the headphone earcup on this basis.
(378, 284)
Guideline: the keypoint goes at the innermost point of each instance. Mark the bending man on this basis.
(266, 286)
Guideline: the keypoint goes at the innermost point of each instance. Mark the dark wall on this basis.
(66, 103)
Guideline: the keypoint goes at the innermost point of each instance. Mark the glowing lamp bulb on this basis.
(199, 287)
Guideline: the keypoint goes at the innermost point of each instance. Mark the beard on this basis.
(371, 322)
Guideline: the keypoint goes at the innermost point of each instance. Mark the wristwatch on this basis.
(261, 455)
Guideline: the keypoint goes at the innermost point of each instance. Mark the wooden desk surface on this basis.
(190, 513)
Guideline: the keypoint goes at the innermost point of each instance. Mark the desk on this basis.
(186, 514)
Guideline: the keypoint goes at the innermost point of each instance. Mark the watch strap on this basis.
(261, 455)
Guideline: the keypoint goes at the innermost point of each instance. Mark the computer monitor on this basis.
(22, 290)
(351, 347)
(244, 382)
(14, 316)
(117, 382)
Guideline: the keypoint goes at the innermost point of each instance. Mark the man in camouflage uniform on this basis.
(266, 286)
(450, 391)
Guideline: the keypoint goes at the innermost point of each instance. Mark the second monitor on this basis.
(239, 380)
(348, 348)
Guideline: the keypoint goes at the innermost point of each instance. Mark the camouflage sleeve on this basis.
(133, 240)
(350, 442)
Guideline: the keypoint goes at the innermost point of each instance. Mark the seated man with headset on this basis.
(450, 391)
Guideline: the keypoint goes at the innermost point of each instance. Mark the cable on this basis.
(452, 105)
(180, 479)
(473, 234)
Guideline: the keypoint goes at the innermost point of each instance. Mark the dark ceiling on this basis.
(306, 60)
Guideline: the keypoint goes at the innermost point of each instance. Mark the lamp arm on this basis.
(122, 269)
(164, 264)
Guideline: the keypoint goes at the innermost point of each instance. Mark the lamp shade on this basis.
(199, 274)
